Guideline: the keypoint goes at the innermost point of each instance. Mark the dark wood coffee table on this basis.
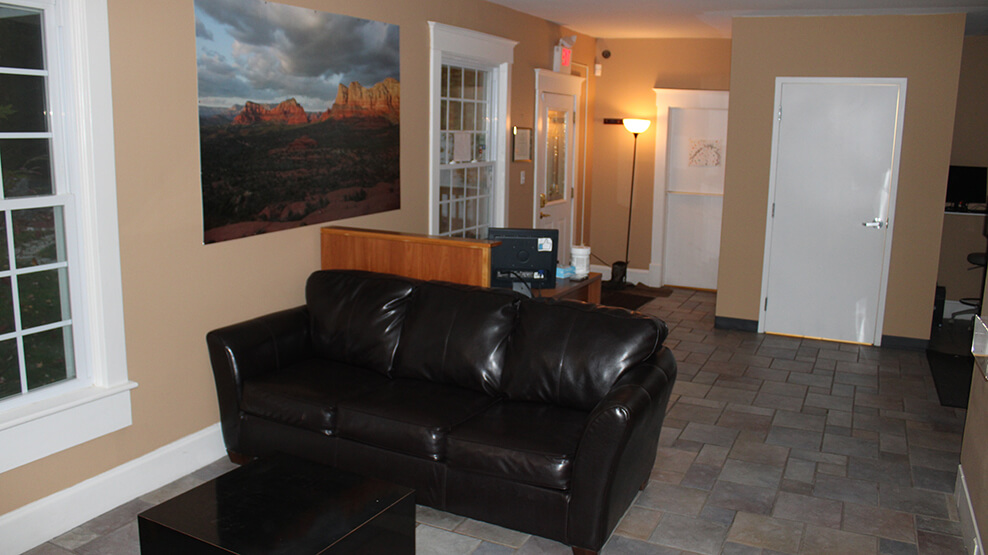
(285, 506)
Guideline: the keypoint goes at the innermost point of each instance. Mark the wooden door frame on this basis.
(896, 157)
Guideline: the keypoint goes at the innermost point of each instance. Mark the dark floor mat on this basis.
(952, 377)
(623, 299)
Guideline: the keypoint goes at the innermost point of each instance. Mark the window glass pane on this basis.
(6, 306)
(455, 82)
(444, 82)
(471, 214)
(480, 147)
(455, 116)
(470, 84)
(444, 185)
(443, 124)
(457, 186)
(22, 104)
(469, 119)
(483, 214)
(444, 217)
(10, 376)
(43, 298)
(4, 255)
(456, 222)
(471, 182)
(45, 357)
(20, 38)
(26, 167)
(36, 236)
(484, 181)
(481, 85)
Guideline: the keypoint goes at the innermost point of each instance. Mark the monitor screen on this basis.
(966, 185)
(525, 256)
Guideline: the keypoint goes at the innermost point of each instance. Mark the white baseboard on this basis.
(633, 276)
(38, 522)
(969, 524)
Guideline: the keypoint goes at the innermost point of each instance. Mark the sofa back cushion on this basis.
(570, 354)
(457, 334)
(356, 316)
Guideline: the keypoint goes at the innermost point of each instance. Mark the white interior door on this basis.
(687, 199)
(695, 154)
(557, 98)
(831, 201)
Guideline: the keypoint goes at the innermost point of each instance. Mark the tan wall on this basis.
(970, 148)
(176, 289)
(624, 89)
(924, 49)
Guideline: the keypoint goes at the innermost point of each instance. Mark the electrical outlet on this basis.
(523, 177)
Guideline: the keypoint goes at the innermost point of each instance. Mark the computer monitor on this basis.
(525, 256)
(966, 185)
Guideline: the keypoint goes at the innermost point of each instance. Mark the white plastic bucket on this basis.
(581, 261)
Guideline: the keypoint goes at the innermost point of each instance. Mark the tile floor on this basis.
(771, 445)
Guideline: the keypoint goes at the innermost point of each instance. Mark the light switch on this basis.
(523, 177)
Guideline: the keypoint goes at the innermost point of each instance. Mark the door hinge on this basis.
(780, 113)
(773, 209)
(766, 304)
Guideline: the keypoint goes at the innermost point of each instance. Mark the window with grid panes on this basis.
(63, 369)
(36, 345)
(466, 165)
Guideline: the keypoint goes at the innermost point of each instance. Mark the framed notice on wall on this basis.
(523, 144)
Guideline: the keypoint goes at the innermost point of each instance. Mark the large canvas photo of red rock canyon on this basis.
(299, 114)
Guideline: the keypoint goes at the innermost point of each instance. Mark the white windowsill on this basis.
(47, 427)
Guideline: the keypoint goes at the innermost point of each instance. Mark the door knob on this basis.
(877, 223)
(541, 200)
(543, 215)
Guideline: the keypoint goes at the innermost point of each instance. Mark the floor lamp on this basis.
(619, 270)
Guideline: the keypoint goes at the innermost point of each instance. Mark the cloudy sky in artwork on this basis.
(268, 53)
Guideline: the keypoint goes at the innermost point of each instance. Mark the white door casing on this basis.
(555, 93)
(830, 214)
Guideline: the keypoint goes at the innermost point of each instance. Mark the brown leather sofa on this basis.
(537, 415)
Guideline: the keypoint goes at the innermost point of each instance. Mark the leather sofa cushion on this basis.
(409, 416)
(532, 443)
(357, 316)
(569, 353)
(306, 394)
(456, 334)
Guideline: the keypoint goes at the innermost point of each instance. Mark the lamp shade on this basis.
(636, 125)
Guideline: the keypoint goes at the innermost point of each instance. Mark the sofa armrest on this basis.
(618, 448)
(252, 348)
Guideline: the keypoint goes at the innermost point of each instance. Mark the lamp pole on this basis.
(631, 198)
(635, 126)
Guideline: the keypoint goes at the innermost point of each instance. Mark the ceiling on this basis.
(712, 18)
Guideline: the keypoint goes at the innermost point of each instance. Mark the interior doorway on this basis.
(557, 98)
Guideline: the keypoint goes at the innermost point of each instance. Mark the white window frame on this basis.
(454, 45)
(98, 401)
